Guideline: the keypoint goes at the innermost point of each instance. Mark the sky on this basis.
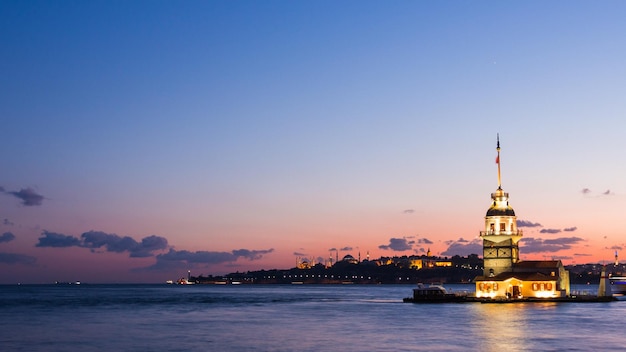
(143, 139)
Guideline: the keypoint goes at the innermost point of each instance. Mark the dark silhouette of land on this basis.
(390, 270)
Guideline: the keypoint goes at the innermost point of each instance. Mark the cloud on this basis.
(118, 244)
(57, 240)
(6, 222)
(14, 258)
(408, 211)
(617, 248)
(299, 254)
(7, 237)
(582, 255)
(111, 242)
(605, 193)
(28, 196)
(345, 249)
(332, 249)
(179, 259)
(424, 241)
(251, 254)
(549, 231)
(538, 245)
(525, 223)
(463, 248)
(570, 229)
(398, 244)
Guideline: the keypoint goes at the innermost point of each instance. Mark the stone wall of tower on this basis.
(499, 256)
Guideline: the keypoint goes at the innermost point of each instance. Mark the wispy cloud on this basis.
(605, 193)
(118, 244)
(408, 211)
(398, 244)
(550, 231)
(7, 222)
(7, 237)
(174, 259)
(110, 242)
(463, 247)
(570, 229)
(28, 196)
(525, 223)
(538, 245)
(53, 239)
(424, 241)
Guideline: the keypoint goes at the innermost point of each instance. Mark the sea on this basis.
(293, 318)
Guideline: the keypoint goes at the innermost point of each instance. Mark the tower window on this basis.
(502, 227)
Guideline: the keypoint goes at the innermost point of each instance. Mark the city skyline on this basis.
(144, 139)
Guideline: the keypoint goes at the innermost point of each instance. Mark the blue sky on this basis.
(304, 126)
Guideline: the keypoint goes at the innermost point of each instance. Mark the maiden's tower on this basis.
(504, 275)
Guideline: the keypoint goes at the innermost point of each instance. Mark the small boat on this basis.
(433, 294)
(618, 285)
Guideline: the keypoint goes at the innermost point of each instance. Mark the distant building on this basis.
(349, 259)
(304, 263)
(504, 274)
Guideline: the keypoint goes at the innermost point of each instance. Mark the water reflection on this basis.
(506, 326)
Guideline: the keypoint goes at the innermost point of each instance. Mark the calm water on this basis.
(291, 318)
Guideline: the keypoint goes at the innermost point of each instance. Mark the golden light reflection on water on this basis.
(505, 326)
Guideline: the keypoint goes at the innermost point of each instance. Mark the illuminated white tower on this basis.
(501, 236)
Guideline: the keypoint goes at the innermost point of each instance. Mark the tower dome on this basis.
(500, 205)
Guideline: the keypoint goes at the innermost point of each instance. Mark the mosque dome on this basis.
(350, 259)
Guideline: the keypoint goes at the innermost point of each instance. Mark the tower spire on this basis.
(498, 161)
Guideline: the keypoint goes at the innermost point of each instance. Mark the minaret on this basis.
(616, 259)
(501, 236)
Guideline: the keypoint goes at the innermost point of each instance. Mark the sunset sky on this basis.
(142, 139)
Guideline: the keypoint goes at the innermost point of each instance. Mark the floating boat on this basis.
(433, 294)
(618, 285)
